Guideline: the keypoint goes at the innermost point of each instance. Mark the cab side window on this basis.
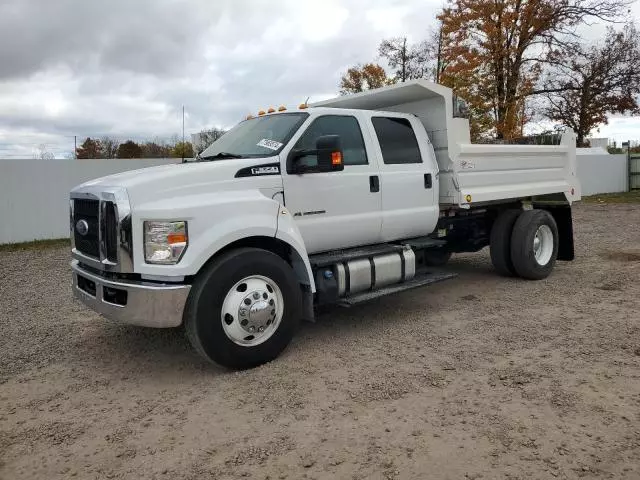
(348, 128)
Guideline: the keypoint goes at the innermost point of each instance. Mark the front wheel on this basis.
(243, 308)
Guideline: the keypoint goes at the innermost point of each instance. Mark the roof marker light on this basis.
(302, 106)
(282, 108)
(261, 112)
(271, 110)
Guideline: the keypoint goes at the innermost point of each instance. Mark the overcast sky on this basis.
(124, 68)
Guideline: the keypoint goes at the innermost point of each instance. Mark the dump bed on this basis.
(473, 173)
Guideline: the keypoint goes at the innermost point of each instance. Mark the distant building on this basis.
(599, 142)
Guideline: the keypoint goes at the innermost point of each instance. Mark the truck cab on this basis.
(381, 189)
(322, 204)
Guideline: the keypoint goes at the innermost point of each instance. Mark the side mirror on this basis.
(329, 153)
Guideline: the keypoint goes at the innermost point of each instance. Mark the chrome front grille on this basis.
(109, 224)
(101, 228)
(86, 233)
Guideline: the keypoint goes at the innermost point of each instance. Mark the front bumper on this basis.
(134, 302)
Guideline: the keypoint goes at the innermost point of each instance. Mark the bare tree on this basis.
(43, 153)
(109, 147)
(407, 61)
(206, 137)
(587, 85)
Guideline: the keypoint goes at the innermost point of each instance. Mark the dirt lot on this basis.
(480, 377)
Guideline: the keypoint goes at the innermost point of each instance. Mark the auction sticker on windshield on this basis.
(270, 144)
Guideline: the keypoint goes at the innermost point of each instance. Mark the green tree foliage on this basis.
(129, 149)
(182, 150)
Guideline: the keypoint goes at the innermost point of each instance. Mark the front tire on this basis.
(534, 244)
(243, 308)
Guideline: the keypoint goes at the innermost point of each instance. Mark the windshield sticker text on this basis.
(270, 144)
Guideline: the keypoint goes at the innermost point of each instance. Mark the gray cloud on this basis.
(125, 68)
(142, 36)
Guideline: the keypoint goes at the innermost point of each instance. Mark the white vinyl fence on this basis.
(34, 194)
(600, 172)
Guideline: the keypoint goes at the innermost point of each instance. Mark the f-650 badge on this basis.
(265, 170)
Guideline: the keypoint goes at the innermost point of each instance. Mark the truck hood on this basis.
(195, 178)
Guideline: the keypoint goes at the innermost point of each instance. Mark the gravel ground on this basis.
(479, 377)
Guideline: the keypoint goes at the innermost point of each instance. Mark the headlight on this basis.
(165, 242)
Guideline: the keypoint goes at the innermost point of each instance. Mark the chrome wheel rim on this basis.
(252, 311)
(543, 245)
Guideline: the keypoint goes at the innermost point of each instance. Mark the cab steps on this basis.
(418, 281)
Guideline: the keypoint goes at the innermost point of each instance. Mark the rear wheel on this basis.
(243, 308)
(500, 242)
(534, 244)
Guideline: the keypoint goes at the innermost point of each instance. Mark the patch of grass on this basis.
(35, 245)
(622, 197)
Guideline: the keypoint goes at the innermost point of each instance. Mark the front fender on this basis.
(288, 232)
(213, 221)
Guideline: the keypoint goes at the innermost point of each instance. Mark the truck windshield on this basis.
(257, 137)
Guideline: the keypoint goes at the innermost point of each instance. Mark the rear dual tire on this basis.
(524, 244)
(500, 242)
(534, 244)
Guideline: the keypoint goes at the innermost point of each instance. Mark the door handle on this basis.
(428, 183)
(374, 183)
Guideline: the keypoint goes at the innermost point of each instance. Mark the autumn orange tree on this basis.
(90, 148)
(363, 77)
(495, 50)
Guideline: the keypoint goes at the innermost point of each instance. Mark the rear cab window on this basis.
(397, 140)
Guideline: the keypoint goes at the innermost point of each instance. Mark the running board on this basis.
(418, 281)
(423, 243)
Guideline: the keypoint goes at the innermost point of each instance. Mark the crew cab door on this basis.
(408, 171)
(338, 209)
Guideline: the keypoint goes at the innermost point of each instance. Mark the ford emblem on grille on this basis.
(82, 227)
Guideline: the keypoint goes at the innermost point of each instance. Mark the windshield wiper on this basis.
(221, 155)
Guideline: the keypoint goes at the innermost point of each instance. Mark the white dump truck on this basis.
(337, 202)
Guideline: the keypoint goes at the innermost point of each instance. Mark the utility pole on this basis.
(182, 134)
(75, 147)
(438, 62)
